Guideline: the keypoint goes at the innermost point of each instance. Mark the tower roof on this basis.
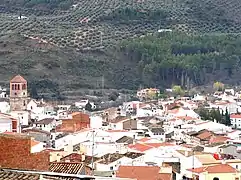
(18, 79)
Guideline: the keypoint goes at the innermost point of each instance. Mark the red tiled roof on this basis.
(218, 139)
(205, 135)
(18, 79)
(220, 168)
(119, 119)
(235, 115)
(144, 139)
(140, 147)
(156, 145)
(64, 167)
(142, 173)
(73, 157)
(186, 118)
(34, 143)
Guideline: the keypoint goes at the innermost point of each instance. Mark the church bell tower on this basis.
(18, 94)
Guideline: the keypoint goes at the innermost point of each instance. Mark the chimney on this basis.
(41, 177)
(83, 157)
(58, 157)
(186, 153)
(69, 147)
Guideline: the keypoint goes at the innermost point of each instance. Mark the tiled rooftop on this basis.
(142, 173)
(15, 176)
(66, 167)
(109, 158)
(220, 168)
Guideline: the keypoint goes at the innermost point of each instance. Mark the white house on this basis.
(111, 163)
(5, 125)
(96, 121)
(3, 92)
(82, 103)
(40, 109)
(182, 111)
(236, 120)
(46, 124)
(198, 97)
(22, 116)
(231, 91)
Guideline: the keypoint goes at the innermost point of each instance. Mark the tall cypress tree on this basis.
(227, 118)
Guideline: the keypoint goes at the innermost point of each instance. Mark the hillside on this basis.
(59, 45)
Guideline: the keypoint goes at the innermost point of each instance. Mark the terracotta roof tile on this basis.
(64, 167)
(73, 157)
(156, 145)
(140, 147)
(18, 79)
(142, 173)
(220, 168)
(205, 135)
(17, 175)
(34, 143)
(218, 139)
(235, 115)
(144, 139)
(186, 118)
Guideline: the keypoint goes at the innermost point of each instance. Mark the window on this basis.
(236, 166)
(111, 168)
(13, 87)
(18, 86)
(24, 103)
(23, 86)
(215, 178)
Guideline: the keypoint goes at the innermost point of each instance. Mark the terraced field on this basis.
(96, 24)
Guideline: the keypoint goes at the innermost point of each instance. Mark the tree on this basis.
(113, 96)
(88, 107)
(227, 118)
(152, 95)
(203, 113)
(177, 90)
(218, 86)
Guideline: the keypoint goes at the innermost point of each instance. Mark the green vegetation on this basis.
(133, 14)
(215, 115)
(218, 86)
(178, 58)
(46, 4)
(92, 39)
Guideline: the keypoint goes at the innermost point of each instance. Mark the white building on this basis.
(3, 92)
(82, 103)
(46, 124)
(22, 116)
(40, 110)
(236, 120)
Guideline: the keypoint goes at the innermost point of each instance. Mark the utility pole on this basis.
(93, 148)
